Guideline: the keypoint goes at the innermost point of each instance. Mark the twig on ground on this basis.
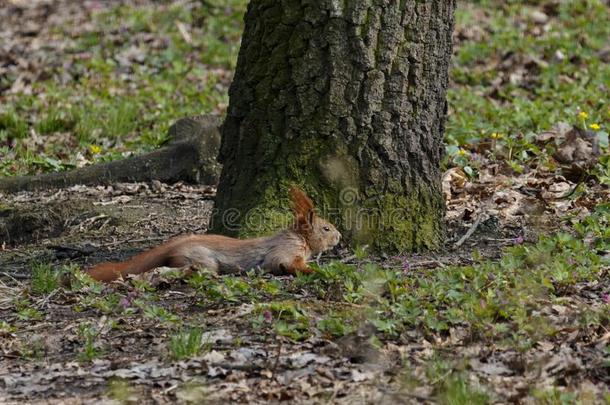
(240, 367)
(170, 389)
(348, 259)
(277, 357)
(122, 242)
(46, 299)
(15, 276)
(427, 264)
(473, 228)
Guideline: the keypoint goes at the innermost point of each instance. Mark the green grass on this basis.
(44, 278)
(457, 391)
(495, 301)
(88, 334)
(126, 108)
(159, 313)
(559, 88)
(186, 343)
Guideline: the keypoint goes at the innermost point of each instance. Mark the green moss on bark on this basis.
(346, 100)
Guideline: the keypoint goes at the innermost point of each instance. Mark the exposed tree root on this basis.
(190, 155)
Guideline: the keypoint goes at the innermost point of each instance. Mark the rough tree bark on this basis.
(347, 99)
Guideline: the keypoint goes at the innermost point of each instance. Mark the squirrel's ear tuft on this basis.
(302, 205)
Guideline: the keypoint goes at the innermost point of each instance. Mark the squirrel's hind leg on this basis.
(200, 261)
(298, 265)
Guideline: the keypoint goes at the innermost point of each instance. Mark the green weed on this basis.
(158, 313)
(44, 278)
(457, 391)
(288, 319)
(337, 324)
(88, 333)
(26, 311)
(32, 349)
(186, 343)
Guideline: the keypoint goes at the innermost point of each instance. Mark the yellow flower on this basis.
(496, 135)
(595, 127)
(94, 149)
(583, 115)
(461, 152)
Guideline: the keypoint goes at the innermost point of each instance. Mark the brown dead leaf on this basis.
(359, 376)
(492, 369)
(577, 153)
(453, 180)
(558, 132)
(558, 189)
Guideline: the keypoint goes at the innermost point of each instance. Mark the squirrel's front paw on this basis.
(306, 270)
(298, 265)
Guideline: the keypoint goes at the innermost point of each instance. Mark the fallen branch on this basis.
(470, 231)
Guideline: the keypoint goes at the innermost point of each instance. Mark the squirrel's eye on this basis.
(326, 228)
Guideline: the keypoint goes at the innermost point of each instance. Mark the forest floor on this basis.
(518, 310)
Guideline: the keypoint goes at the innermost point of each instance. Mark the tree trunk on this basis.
(346, 99)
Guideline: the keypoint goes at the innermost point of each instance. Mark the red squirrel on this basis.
(285, 252)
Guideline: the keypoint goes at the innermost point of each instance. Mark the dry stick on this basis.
(170, 389)
(470, 231)
(44, 301)
(427, 264)
(348, 259)
(124, 242)
(277, 357)
(15, 276)
(239, 367)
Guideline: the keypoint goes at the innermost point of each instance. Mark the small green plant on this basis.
(336, 325)
(55, 121)
(287, 317)
(142, 285)
(270, 288)
(554, 396)
(44, 279)
(186, 343)
(82, 282)
(29, 314)
(333, 281)
(6, 328)
(361, 252)
(12, 125)
(88, 334)
(33, 349)
(237, 287)
(159, 313)
(121, 391)
(105, 303)
(457, 391)
(226, 289)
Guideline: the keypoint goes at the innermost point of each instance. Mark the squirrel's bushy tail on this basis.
(138, 264)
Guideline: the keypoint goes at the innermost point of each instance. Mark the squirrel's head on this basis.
(320, 234)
